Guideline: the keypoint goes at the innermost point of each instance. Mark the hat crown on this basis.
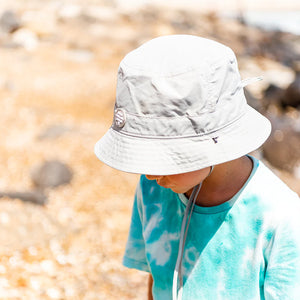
(174, 54)
(189, 85)
(175, 76)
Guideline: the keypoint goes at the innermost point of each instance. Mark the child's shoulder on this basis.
(270, 184)
(272, 192)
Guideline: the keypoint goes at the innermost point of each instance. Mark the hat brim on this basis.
(167, 156)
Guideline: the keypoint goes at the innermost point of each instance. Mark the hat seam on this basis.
(162, 118)
(181, 136)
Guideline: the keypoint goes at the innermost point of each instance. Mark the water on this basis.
(286, 21)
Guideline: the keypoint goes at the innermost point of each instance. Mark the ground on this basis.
(71, 248)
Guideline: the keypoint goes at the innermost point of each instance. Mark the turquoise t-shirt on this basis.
(246, 248)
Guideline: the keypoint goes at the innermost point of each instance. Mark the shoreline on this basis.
(206, 6)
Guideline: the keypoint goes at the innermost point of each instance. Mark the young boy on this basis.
(209, 221)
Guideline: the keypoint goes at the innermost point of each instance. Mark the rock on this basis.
(252, 101)
(78, 55)
(275, 45)
(291, 96)
(51, 174)
(53, 132)
(25, 38)
(183, 22)
(282, 149)
(279, 46)
(96, 13)
(9, 21)
(42, 23)
(35, 197)
(273, 94)
(70, 11)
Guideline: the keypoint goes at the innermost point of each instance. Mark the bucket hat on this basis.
(180, 107)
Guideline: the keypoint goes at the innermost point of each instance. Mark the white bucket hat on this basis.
(180, 107)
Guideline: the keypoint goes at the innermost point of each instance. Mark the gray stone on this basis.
(252, 101)
(53, 132)
(78, 55)
(25, 38)
(51, 174)
(35, 197)
(273, 96)
(70, 11)
(282, 149)
(9, 21)
(291, 96)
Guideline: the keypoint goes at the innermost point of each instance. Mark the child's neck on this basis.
(224, 182)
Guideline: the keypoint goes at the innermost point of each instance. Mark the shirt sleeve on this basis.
(135, 256)
(282, 277)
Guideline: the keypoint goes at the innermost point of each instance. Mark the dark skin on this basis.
(220, 186)
(150, 284)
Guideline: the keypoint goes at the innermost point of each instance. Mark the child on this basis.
(209, 221)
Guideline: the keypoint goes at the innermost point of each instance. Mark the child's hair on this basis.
(180, 107)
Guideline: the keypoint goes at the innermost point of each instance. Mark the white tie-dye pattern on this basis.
(156, 218)
(247, 257)
(221, 285)
(190, 256)
(152, 189)
(162, 248)
(253, 256)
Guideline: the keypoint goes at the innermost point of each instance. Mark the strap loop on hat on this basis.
(250, 80)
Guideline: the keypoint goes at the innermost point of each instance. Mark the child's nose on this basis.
(153, 177)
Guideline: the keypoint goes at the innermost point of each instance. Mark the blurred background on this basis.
(64, 216)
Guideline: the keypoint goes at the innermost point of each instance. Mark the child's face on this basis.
(181, 183)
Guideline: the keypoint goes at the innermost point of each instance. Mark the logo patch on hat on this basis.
(120, 117)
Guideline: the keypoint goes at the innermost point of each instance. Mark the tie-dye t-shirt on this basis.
(246, 248)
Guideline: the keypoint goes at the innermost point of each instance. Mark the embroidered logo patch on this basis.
(120, 117)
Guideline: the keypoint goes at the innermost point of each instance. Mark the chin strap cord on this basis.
(177, 293)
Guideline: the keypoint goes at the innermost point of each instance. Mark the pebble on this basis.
(35, 284)
(2, 269)
(32, 250)
(4, 218)
(70, 11)
(62, 259)
(101, 13)
(48, 267)
(291, 96)
(51, 174)
(252, 100)
(3, 284)
(272, 95)
(54, 293)
(25, 38)
(282, 149)
(35, 197)
(78, 55)
(297, 171)
(53, 132)
(9, 21)
(42, 23)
